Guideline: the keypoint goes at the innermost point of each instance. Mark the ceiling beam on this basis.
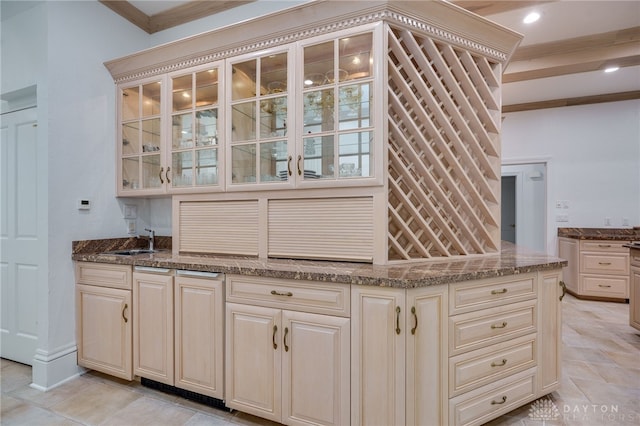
(582, 100)
(484, 8)
(130, 13)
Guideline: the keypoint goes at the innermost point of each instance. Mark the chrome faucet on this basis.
(152, 237)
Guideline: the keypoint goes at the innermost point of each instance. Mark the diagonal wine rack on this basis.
(444, 149)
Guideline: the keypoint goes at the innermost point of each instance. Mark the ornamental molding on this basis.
(352, 22)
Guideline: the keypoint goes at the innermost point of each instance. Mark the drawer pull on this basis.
(398, 320)
(275, 329)
(604, 245)
(604, 263)
(277, 293)
(126, 306)
(286, 331)
(499, 364)
(289, 166)
(504, 290)
(503, 325)
(415, 317)
(160, 174)
(564, 290)
(504, 399)
(604, 286)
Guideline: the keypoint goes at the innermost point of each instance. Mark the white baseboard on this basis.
(51, 369)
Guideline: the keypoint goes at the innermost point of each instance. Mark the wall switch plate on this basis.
(130, 211)
(131, 226)
(84, 204)
(562, 218)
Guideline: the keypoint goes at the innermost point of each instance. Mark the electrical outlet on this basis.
(131, 226)
(130, 211)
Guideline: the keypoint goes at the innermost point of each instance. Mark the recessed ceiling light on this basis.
(611, 69)
(531, 18)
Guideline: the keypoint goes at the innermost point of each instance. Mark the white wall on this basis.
(594, 161)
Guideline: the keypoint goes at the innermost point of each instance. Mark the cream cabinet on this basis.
(273, 354)
(399, 356)
(104, 318)
(598, 269)
(178, 329)
(634, 290)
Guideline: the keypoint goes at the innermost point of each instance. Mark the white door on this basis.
(21, 234)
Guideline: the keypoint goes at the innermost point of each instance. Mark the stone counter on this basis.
(614, 234)
(511, 260)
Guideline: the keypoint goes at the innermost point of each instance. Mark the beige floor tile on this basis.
(54, 396)
(582, 369)
(96, 403)
(143, 410)
(201, 419)
(624, 359)
(15, 376)
(26, 414)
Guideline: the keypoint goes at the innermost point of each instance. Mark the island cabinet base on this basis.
(458, 354)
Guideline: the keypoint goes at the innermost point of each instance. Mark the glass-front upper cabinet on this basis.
(195, 132)
(259, 136)
(337, 104)
(140, 138)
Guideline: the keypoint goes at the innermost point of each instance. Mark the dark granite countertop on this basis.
(511, 260)
(617, 234)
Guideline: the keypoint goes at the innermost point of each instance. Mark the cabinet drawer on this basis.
(490, 293)
(482, 404)
(307, 296)
(482, 328)
(606, 286)
(104, 275)
(604, 246)
(595, 263)
(480, 367)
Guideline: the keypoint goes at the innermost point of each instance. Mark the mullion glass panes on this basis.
(354, 106)
(131, 138)
(151, 135)
(131, 103)
(206, 127)
(182, 131)
(130, 173)
(318, 62)
(319, 157)
(207, 167)
(355, 59)
(151, 99)
(354, 154)
(318, 111)
(206, 88)
(182, 168)
(182, 93)
(151, 171)
(259, 116)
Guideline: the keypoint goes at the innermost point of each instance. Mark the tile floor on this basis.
(600, 386)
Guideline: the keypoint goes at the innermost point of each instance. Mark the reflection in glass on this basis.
(182, 131)
(354, 154)
(318, 60)
(318, 111)
(319, 157)
(355, 56)
(207, 87)
(273, 161)
(207, 167)
(273, 74)
(207, 127)
(243, 163)
(151, 135)
(130, 173)
(182, 93)
(354, 106)
(182, 169)
(130, 103)
(130, 138)
(243, 80)
(151, 99)
(243, 121)
(151, 171)
(273, 117)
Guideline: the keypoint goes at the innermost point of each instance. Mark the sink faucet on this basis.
(152, 237)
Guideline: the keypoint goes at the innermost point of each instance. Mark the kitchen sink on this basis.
(132, 252)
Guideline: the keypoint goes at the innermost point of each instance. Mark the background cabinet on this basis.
(103, 318)
(634, 290)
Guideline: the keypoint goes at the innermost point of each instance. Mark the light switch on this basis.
(130, 211)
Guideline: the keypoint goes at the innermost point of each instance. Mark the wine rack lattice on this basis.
(444, 149)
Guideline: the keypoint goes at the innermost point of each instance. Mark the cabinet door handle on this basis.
(298, 165)
(503, 325)
(277, 293)
(499, 364)
(167, 174)
(604, 245)
(398, 320)
(289, 165)
(286, 331)
(275, 329)
(564, 290)
(504, 290)
(124, 308)
(604, 263)
(160, 174)
(604, 286)
(415, 317)
(504, 399)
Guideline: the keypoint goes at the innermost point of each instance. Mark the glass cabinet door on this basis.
(194, 136)
(141, 140)
(337, 100)
(259, 108)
